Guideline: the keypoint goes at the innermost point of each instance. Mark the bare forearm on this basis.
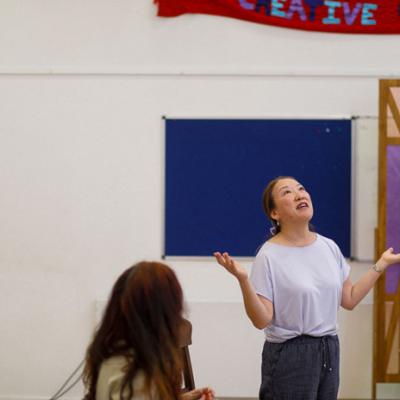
(259, 314)
(258, 309)
(363, 286)
(355, 293)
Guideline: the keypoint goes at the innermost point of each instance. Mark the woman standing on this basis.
(298, 281)
(135, 353)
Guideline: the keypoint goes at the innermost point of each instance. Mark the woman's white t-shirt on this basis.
(305, 286)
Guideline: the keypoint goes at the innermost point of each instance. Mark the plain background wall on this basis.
(83, 86)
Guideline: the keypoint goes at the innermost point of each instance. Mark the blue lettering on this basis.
(264, 3)
(246, 5)
(351, 15)
(367, 16)
(313, 4)
(297, 6)
(276, 8)
(331, 19)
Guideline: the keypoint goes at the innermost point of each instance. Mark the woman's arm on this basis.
(353, 294)
(259, 309)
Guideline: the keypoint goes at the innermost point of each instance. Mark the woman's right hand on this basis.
(231, 265)
(199, 394)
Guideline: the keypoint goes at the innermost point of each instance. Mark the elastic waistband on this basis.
(307, 339)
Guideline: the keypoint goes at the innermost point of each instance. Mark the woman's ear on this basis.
(274, 215)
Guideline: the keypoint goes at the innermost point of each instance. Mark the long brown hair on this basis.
(141, 322)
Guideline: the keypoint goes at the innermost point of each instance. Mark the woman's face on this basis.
(292, 202)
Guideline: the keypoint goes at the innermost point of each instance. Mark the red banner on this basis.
(374, 16)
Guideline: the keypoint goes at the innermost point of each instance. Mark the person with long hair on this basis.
(135, 353)
(298, 281)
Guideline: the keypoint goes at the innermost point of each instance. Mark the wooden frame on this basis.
(185, 342)
(385, 322)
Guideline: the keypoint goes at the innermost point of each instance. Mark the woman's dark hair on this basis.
(268, 202)
(141, 321)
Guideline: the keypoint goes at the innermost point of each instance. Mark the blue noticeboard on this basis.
(216, 171)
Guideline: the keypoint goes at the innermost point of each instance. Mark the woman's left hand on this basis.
(388, 258)
(199, 394)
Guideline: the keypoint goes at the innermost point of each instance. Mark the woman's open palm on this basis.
(231, 265)
(389, 257)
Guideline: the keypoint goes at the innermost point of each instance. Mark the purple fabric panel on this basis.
(393, 214)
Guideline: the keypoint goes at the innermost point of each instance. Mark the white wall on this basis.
(83, 86)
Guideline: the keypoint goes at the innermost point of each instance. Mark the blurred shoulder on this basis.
(111, 376)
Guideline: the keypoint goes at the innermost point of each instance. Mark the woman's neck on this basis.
(295, 236)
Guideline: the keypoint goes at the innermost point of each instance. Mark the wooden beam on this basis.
(379, 370)
(392, 378)
(394, 109)
(381, 356)
(393, 141)
(394, 320)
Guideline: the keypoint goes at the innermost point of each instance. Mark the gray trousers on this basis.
(303, 368)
